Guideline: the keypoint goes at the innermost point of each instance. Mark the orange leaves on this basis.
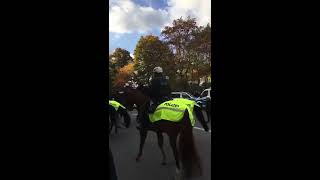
(123, 75)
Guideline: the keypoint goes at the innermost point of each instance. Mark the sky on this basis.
(131, 19)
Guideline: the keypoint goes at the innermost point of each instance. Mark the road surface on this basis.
(125, 146)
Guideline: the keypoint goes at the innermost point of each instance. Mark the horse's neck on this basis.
(141, 98)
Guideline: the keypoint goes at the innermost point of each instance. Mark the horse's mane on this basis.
(144, 90)
(138, 92)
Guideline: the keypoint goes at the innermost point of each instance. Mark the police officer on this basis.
(160, 91)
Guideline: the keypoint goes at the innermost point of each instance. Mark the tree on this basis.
(120, 57)
(117, 60)
(149, 53)
(191, 45)
(123, 75)
(200, 48)
(178, 37)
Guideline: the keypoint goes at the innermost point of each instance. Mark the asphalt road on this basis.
(125, 146)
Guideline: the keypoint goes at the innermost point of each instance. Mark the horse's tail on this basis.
(189, 157)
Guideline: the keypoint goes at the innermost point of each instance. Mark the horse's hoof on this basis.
(138, 159)
(163, 163)
(178, 175)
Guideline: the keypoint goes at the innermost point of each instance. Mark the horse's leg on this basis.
(111, 120)
(173, 143)
(117, 119)
(207, 114)
(110, 126)
(160, 143)
(115, 123)
(143, 136)
(126, 118)
(115, 116)
(209, 111)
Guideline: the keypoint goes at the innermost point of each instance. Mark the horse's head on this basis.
(130, 97)
(126, 97)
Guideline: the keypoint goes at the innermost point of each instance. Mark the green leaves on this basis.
(119, 58)
(191, 45)
(149, 53)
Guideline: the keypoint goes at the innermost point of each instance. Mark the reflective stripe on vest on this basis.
(115, 104)
(171, 111)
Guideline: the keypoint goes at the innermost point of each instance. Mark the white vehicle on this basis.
(204, 97)
(184, 95)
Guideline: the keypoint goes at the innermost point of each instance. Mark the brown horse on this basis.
(187, 155)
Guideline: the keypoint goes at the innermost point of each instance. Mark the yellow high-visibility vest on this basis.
(115, 104)
(188, 102)
(171, 111)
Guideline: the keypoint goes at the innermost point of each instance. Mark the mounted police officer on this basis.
(160, 92)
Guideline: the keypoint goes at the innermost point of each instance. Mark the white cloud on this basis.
(117, 36)
(127, 17)
(199, 9)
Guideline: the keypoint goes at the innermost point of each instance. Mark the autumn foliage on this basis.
(183, 50)
(123, 75)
